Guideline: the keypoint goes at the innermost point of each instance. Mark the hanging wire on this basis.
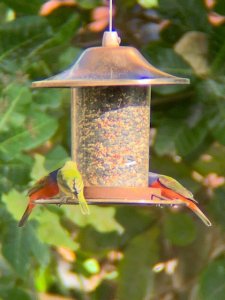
(110, 15)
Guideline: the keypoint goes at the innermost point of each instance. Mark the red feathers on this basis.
(45, 188)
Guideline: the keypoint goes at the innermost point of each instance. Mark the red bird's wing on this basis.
(41, 183)
(47, 187)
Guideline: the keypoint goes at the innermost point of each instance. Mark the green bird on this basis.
(71, 184)
(172, 189)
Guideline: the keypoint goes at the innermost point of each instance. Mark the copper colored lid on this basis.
(110, 65)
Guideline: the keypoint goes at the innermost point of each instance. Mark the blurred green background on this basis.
(124, 253)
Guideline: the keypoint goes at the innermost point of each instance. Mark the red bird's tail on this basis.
(25, 215)
(198, 212)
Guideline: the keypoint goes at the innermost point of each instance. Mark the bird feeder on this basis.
(110, 118)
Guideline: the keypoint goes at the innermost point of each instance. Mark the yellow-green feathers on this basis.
(71, 184)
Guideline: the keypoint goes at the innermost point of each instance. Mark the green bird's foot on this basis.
(64, 200)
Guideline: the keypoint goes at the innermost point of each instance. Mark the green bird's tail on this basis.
(83, 204)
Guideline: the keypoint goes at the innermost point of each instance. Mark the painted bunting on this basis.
(44, 188)
(71, 184)
(172, 189)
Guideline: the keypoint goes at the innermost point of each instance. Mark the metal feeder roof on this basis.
(110, 65)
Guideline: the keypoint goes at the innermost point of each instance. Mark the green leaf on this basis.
(51, 231)
(23, 6)
(18, 246)
(18, 32)
(102, 219)
(212, 161)
(189, 139)
(219, 7)
(61, 38)
(16, 293)
(15, 202)
(17, 97)
(168, 60)
(39, 128)
(212, 284)
(183, 17)
(88, 4)
(134, 221)
(9, 173)
(217, 123)
(217, 50)
(148, 3)
(219, 129)
(18, 39)
(193, 47)
(56, 158)
(180, 229)
(38, 170)
(212, 93)
(48, 98)
(217, 206)
(91, 241)
(135, 275)
(165, 137)
(69, 55)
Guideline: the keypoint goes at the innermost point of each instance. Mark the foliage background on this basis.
(116, 253)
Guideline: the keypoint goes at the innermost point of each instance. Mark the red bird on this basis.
(171, 189)
(44, 188)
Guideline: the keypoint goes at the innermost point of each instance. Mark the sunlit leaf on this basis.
(102, 219)
(15, 202)
(39, 128)
(92, 266)
(51, 231)
(148, 3)
(193, 47)
(38, 170)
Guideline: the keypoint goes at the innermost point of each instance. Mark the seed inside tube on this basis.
(113, 135)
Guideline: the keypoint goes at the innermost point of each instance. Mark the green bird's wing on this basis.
(78, 185)
(70, 181)
(64, 183)
(174, 185)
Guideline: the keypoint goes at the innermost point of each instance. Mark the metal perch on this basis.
(112, 201)
(117, 196)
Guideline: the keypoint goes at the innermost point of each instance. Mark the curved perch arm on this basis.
(112, 202)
